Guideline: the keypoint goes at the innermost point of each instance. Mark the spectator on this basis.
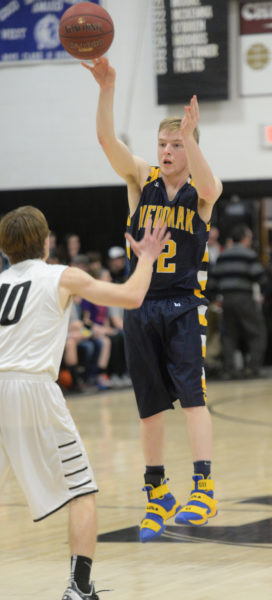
(117, 264)
(72, 246)
(213, 362)
(238, 273)
(95, 263)
(56, 253)
(214, 246)
(52, 241)
(81, 261)
(86, 345)
(97, 317)
(81, 353)
(55, 257)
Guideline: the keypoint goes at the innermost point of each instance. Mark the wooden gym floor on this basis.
(229, 558)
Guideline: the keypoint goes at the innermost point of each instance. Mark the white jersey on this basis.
(33, 325)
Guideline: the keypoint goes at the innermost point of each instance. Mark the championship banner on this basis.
(191, 49)
(255, 48)
(29, 30)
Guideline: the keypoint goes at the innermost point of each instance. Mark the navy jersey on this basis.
(181, 268)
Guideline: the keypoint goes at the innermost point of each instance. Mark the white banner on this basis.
(255, 48)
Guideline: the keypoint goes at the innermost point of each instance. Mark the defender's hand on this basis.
(152, 243)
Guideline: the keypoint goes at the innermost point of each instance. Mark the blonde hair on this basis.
(173, 124)
(22, 234)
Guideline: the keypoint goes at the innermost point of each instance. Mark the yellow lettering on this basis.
(180, 218)
(189, 219)
(142, 214)
(149, 212)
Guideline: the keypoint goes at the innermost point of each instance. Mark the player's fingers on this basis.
(148, 227)
(197, 107)
(157, 228)
(166, 238)
(194, 108)
(188, 112)
(129, 238)
(133, 243)
(86, 66)
(162, 230)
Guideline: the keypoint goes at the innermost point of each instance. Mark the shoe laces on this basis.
(96, 597)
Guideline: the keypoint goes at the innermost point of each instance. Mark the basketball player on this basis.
(38, 437)
(165, 338)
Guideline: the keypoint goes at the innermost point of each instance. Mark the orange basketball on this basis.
(86, 30)
(65, 378)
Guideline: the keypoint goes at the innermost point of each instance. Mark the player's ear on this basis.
(46, 248)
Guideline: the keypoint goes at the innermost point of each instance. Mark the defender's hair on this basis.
(173, 123)
(22, 234)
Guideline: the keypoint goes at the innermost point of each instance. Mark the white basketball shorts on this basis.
(39, 440)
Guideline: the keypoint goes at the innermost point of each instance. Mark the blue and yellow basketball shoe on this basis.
(161, 506)
(201, 505)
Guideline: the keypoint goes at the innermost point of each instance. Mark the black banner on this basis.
(191, 41)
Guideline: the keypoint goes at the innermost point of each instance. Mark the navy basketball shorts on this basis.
(165, 343)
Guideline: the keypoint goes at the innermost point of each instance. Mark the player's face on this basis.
(171, 153)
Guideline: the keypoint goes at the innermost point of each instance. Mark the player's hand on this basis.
(152, 243)
(191, 118)
(102, 71)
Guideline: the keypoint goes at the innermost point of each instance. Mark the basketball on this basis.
(65, 378)
(86, 30)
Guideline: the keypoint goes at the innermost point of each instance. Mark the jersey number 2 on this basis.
(14, 305)
(163, 266)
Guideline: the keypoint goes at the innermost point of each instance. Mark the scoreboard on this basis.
(191, 49)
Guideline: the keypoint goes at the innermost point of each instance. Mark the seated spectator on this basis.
(95, 263)
(55, 257)
(101, 341)
(98, 318)
(80, 261)
(56, 252)
(84, 356)
(117, 264)
(116, 317)
(72, 246)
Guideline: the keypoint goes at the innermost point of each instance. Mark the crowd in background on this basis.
(239, 291)
(94, 355)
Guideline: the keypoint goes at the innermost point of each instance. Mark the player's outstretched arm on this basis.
(208, 186)
(119, 155)
(129, 294)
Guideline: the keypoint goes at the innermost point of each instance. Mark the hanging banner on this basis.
(29, 30)
(191, 49)
(255, 48)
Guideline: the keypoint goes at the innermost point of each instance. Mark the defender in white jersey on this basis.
(38, 437)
